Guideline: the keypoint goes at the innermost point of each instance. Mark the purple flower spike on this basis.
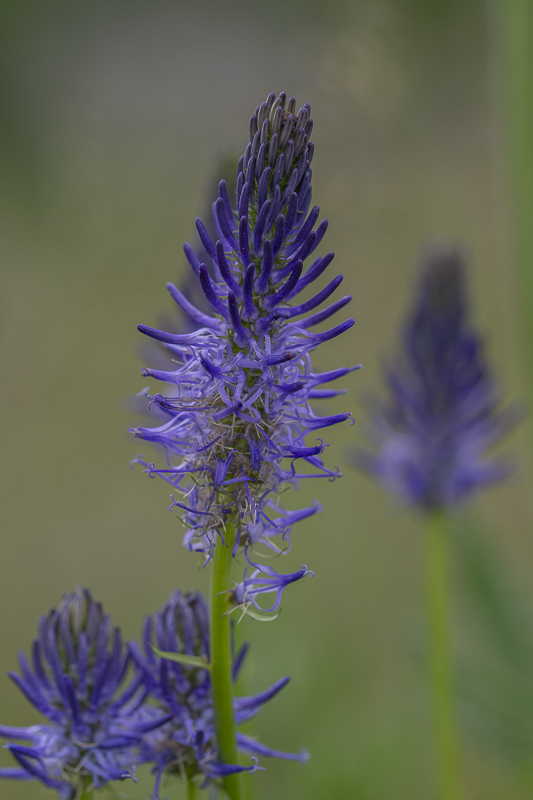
(443, 414)
(75, 678)
(237, 416)
(176, 723)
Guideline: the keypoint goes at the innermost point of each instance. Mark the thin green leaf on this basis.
(181, 658)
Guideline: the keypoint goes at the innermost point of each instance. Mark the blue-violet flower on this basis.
(78, 665)
(431, 435)
(237, 420)
(177, 722)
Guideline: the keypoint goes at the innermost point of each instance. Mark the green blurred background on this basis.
(114, 116)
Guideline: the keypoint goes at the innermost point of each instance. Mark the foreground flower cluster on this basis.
(238, 428)
(104, 722)
(239, 414)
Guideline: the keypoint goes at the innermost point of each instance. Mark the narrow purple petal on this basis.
(273, 299)
(206, 239)
(318, 299)
(209, 292)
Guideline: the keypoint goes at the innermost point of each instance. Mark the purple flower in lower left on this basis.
(78, 665)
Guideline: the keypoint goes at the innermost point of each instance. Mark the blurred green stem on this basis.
(243, 689)
(513, 39)
(221, 659)
(439, 655)
(192, 790)
(86, 793)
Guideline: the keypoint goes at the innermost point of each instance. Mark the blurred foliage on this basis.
(512, 36)
(496, 653)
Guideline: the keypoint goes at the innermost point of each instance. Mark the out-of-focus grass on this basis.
(512, 39)
(496, 653)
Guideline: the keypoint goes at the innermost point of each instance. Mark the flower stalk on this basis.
(439, 655)
(221, 659)
(87, 791)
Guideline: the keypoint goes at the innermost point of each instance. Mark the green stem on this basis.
(439, 656)
(192, 790)
(221, 659)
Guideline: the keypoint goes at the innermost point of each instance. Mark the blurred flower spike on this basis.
(236, 423)
(78, 665)
(178, 720)
(443, 410)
